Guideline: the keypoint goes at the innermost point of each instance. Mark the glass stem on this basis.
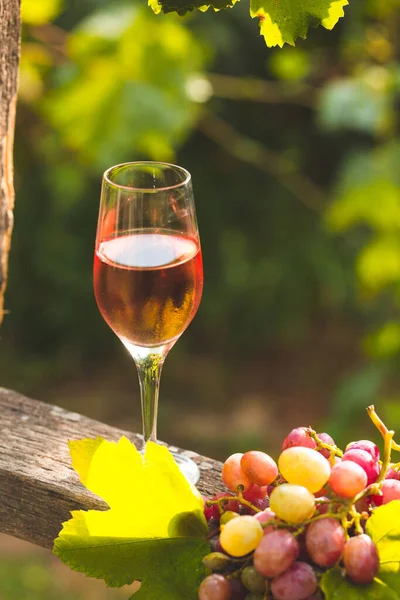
(149, 371)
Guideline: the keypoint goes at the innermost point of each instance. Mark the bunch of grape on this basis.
(281, 526)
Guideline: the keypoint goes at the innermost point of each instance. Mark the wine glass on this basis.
(148, 271)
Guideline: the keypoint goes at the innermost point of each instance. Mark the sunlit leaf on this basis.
(155, 527)
(283, 21)
(38, 12)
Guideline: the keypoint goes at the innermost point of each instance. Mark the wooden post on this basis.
(38, 487)
(10, 35)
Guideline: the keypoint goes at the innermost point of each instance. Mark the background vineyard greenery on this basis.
(294, 155)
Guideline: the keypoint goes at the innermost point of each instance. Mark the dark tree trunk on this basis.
(10, 32)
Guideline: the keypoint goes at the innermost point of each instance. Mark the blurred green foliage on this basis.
(297, 181)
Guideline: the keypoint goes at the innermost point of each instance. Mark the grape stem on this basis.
(334, 450)
(380, 425)
(386, 456)
(238, 498)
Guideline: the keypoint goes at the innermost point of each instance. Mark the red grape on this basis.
(260, 503)
(361, 559)
(347, 479)
(275, 553)
(299, 582)
(326, 439)
(232, 505)
(390, 491)
(215, 587)
(366, 461)
(259, 467)
(255, 493)
(325, 542)
(321, 504)
(238, 591)
(366, 446)
(299, 437)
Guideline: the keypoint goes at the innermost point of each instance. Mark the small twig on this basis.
(258, 155)
(257, 90)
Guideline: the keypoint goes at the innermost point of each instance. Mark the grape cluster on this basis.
(281, 525)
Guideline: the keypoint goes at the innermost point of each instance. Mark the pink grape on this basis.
(365, 460)
(392, 474)
(326, 439)
(275, 553)
(299, 582)
(361, 559)
(233, 475)
(366, 446)
(259, 467)
(325, 541)
(299, 437)
(347, 479)
(215, 587)
(266, 516)
(390, 491)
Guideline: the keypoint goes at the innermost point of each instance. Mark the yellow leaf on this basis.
(38, 12)
(126, 480)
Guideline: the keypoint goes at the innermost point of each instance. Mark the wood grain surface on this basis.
(38, 487)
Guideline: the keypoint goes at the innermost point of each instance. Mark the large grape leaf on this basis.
(155, 530)
(337, 587)
(384, 529)
(281, 21)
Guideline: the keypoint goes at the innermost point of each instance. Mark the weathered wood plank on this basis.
(38, 487)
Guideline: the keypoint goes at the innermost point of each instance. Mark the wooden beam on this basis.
(38, 487)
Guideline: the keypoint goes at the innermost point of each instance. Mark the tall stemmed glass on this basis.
(148, 272)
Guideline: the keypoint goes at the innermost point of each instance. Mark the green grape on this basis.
(253, 580)
(292, 503)
(253, 596)
(228, 516)
(304, 466)
(241, 536)
(216, 561)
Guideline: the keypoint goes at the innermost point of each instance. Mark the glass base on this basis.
(188, 467)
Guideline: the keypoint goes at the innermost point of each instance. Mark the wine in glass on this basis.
(148, 271)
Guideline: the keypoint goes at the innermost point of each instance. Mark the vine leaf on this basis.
(155, 530)
(384, 528)
(282, 21)
(337, 587)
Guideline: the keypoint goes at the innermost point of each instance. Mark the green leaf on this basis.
(184, 6)
(126, 86)
(155, 530)
(282, 21)
(384, 529)
(336, 587)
